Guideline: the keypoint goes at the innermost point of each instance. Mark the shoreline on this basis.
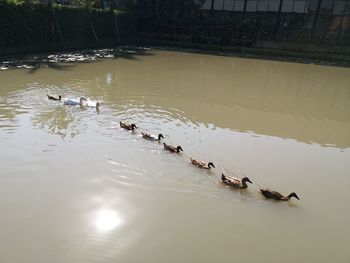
(133, 47)
(317, 58)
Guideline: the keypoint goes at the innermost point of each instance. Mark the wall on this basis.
(36, 28)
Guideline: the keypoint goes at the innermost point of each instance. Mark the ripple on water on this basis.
(118, 171)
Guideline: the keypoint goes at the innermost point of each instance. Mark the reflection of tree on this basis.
(59, 120)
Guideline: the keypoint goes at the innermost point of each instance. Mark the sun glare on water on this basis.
(107, 220)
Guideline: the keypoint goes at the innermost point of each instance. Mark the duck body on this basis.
(172, 148)
(126, 126)
(91, 103)
(53, 98)
(152, 137)
(276, 195)
(72, 102)
(202, 164)
(235, 182)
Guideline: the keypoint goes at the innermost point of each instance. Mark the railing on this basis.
(242, 28)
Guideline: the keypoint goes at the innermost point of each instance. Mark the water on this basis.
(74, 187)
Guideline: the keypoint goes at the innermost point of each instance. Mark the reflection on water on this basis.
(313, 100)
(89, 191)
(107, 220)
(56, 121)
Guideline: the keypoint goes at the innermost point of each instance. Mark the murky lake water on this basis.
(74, 187)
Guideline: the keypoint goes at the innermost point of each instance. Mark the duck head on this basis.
(211, 164)
(246, 179)
(179, 149)
(133, 126)
(160, 136)
(293, 195)
(59, 97)
(82, 99)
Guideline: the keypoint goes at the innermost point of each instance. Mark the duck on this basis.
(172, 149)
(90, 103)
(235, 182)
(129, 127)
(79, 101)
(53, 98)
(276, 195)
(152, 137)
(202, 164)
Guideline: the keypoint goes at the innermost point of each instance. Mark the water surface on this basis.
(74, 187)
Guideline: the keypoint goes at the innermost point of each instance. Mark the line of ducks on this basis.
(82, 101)
(228, 180)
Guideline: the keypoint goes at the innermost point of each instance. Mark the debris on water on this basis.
(43, 60)
(28, 66)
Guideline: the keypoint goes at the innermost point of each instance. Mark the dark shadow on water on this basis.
(131, 53)
(67, 60)
(33, 70)
(56, 66)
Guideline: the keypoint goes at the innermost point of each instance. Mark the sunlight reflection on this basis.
(107, 220)
(109, 78)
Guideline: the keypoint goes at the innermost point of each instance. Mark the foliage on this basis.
(23, 24)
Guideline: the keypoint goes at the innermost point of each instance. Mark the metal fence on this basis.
(319, 22)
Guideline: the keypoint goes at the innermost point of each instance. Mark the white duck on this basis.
(79, 101)
(91, 103)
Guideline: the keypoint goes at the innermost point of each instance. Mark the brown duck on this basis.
(53, 98)
(172, 149)
(235, 182)
(276, 195)
(129, 127)
(152, 137)
(202, 164)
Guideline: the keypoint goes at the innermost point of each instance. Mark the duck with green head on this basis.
(172, 148)
(277, 196)
(152, 137)
(235, 182)
(202, 164)
(53, 98)
(126, 126)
